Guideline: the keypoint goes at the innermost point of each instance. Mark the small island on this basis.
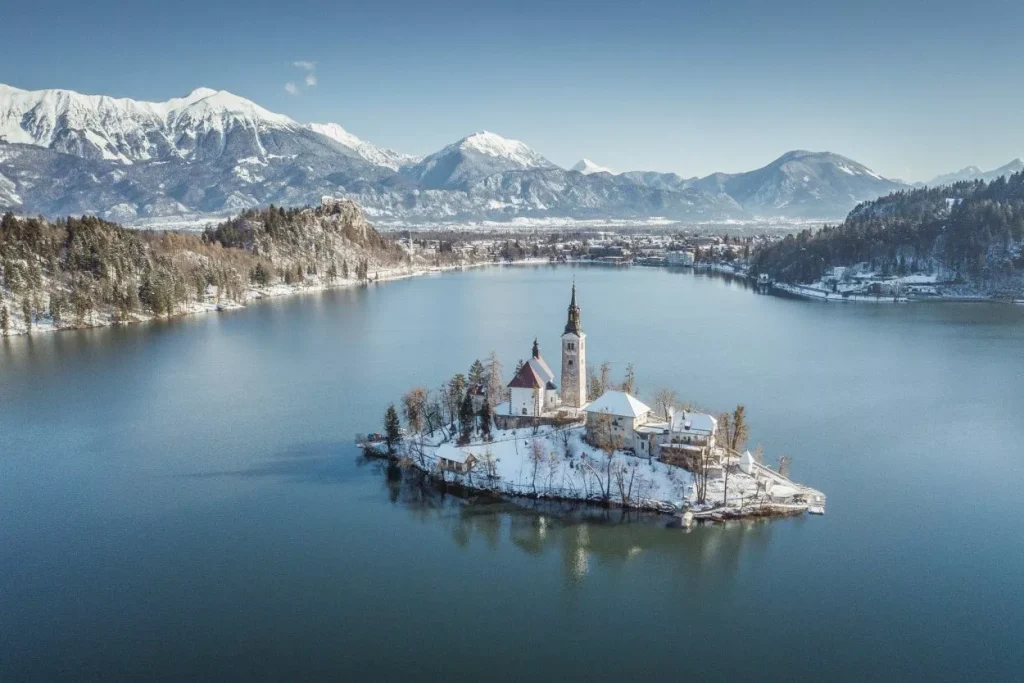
(592, 441)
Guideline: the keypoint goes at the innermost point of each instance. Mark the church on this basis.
(534, 397)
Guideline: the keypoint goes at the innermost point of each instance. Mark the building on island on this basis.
(617, 416)
(532, 392)
(534, 397)
(454, 459)
(574, 358)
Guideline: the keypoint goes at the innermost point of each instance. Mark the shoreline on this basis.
(45, 325)
(666, 489)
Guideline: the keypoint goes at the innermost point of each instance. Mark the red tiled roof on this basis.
(526, 378)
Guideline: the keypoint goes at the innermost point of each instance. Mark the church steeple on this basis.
(573, 324)
(574, 357)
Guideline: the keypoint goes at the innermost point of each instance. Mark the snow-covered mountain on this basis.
(205, 124)
(212, 152)
(586, 167)
(975, 173)
(802, 184)
(473, 158)
(388, 158)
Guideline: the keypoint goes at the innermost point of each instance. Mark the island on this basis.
(590, 441)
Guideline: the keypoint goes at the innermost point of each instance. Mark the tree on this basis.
(608, 442)
(453, 398)
(5, 321)
(392, 428)
(26, 312)
(466, 418)
(414, 406)
(477, 374)
(495, 383)
(740, 431)
(629, 381)
(664, 399)
(485, 419)
(537, 457)
(599, 381)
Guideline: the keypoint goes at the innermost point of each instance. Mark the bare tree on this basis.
(537, 457)
(608, 442)
(664, 399)
(495, 384)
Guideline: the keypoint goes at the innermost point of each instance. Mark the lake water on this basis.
(184, 499)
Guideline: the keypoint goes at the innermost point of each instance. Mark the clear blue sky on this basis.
(911, 88)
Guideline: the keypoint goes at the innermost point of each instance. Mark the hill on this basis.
(969, 232)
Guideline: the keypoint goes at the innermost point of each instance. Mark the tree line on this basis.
(972, 228)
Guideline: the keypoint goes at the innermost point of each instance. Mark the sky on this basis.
(910, 88)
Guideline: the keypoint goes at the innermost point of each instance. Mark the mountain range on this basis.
(214, 153)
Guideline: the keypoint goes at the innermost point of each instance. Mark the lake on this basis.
(184, 499)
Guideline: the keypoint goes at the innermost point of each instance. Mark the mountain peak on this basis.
(493, 145)
(586, 167)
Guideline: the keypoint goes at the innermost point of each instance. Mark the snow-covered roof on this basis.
(700, 423)
(447, 451)
(542, 369)
(618, 403)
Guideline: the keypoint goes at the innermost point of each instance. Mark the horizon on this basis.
(883, 84)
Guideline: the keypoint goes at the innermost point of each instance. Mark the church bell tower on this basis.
(574, 358)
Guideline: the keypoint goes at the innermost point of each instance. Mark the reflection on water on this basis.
(581, 534)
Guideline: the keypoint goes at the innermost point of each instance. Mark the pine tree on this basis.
(5, 321)
(392, 428)
(485, 420)
(476, 374)
(466, 418)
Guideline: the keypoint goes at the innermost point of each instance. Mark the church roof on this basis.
(618, 403)
(542, 369)
(526, 378)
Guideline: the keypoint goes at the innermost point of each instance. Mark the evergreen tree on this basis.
(485, 420)
(392, 428)
(5, 321)
(466, 418)
(476, 374)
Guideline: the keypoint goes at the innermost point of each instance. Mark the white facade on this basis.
(574, 369)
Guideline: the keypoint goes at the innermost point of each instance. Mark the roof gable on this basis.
(526, 378)
(618, 403)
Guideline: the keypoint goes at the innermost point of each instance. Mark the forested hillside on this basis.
(970, 231)
(86, 271)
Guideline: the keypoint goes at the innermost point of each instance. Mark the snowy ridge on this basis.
(586, 167)
(380, 156)
(493, 145)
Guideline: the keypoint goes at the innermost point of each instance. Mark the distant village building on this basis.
(679, 258)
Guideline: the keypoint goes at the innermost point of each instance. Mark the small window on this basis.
(524, 411)
(570, 362)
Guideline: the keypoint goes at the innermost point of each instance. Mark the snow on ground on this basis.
(581, 476)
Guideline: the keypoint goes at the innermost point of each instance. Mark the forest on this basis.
(77, 272)
(969, 231)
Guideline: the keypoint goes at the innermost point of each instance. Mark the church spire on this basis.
(573, 324)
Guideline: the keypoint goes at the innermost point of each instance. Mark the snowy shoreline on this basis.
(573, 471)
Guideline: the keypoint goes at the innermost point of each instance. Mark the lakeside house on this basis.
(451, 458)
